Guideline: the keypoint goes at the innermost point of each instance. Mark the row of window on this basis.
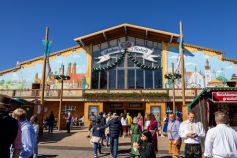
(136, 77)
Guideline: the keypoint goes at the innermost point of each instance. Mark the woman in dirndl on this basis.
(136, 134)
(152, 128)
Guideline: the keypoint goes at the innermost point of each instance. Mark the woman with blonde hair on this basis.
(136, 133)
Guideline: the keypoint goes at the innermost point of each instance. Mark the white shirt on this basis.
(124, 121)
(221, 142)
(195, 127)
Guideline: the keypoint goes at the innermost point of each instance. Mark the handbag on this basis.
(96, 139)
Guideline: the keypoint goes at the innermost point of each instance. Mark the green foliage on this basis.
(176, 76)
(123, 95)
(221, 78)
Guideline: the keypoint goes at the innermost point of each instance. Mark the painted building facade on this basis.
(121, 69)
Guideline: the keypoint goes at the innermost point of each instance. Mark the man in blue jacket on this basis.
(115, 127)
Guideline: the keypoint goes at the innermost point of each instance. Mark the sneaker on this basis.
(96, 156)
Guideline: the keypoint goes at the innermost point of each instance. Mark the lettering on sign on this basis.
(135, 105)
(127, 45)
(116, 105)
(228, 96)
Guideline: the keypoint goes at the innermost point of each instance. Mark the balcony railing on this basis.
(80, 93)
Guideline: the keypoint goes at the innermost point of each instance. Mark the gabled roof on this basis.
(127, 30)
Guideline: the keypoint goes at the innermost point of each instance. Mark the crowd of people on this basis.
(19, 136)
(220, 141)
(108, 128)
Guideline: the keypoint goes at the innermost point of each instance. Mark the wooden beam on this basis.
(125, 30)
(105, 36)
(82, 43)
(171, 38)
(146, 34)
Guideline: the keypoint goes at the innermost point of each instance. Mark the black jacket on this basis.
(115, 127)
(147, 150)
(97, 133)
(8, 133)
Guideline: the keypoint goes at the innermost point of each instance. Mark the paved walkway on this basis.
(76, 145)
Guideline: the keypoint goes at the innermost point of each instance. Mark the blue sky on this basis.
(209, 23)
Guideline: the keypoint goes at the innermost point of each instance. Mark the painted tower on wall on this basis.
(203, 67)
(31, 72)
(208, 75)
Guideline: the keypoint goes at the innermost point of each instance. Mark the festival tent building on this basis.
(120, 69)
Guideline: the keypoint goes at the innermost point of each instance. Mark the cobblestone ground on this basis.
(76, 145)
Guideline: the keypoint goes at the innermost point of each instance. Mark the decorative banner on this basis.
(128, 47)
(147, 53)
(229, 96)
(47, 46)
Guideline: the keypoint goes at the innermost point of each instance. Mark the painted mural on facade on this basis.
(75, 65)
(202, 69)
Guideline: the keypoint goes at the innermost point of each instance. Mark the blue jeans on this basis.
(97, 146)
(114, 146)
(68, 127)
(107, 140)
(51, 127)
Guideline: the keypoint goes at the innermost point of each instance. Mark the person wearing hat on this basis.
(115, 127)
(10, 133)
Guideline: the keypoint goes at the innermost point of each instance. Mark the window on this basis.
(137, 77)
(120, 78)
(95, 81)
(149, 78)
(131, 79)
(103, 79)
(158, 78)
(112, 79)
(140, 79)
(140, 42)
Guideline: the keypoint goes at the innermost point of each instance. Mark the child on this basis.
(146, 146)
(97, 138)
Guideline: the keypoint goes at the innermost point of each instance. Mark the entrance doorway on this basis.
(134, 113)
(122, 107)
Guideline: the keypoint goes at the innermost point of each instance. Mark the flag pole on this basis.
(173, 88)
(182, 62)
(43, 83)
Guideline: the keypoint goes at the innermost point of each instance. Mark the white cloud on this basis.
(206, 56)
(174, 57)
(229, 67)
(188, 64)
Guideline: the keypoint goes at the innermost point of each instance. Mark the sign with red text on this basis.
(228, 96)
